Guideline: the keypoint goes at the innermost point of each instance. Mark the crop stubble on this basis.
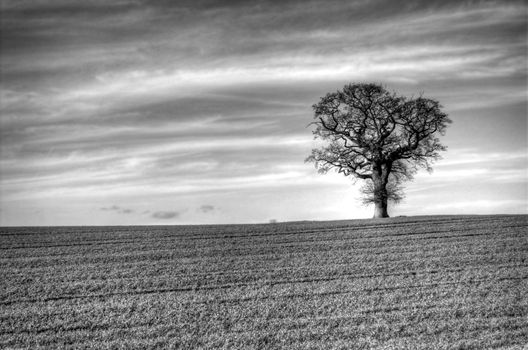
(427, 282)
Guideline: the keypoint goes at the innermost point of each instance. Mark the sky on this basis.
(132, 112)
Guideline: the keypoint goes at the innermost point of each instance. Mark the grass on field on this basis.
(458, 282)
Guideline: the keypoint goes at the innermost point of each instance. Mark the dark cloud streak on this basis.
(117, 209)
(207, 208)
(165, 215)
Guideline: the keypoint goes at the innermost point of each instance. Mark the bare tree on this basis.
(377, 136)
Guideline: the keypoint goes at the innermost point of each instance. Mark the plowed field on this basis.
(406, 283)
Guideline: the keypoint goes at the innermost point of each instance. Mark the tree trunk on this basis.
(380, 210)
(381, 197)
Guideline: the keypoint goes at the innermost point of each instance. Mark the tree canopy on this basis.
(378, 136)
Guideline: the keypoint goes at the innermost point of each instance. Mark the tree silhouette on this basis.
(377, 136)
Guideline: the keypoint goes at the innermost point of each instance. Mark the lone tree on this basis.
(377, 136)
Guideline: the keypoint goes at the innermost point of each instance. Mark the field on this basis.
(446, 282)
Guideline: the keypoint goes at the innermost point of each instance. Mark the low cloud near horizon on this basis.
(141, 104)
(118, 209)
(206, 208)
(165, 214)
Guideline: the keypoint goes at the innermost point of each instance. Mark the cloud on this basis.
(118, 209)
(165, 214)
(113, 207)
(206, 208)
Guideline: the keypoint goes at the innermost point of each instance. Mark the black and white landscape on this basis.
(158, 188)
